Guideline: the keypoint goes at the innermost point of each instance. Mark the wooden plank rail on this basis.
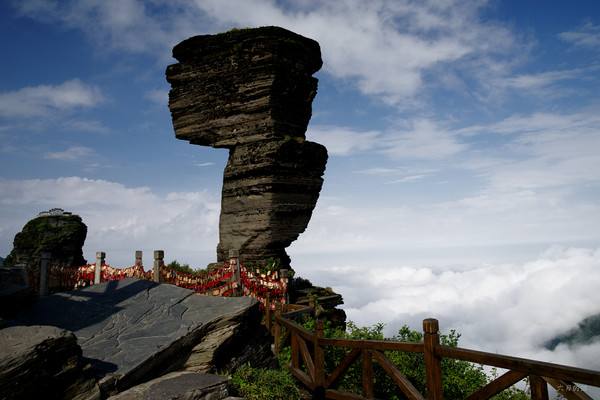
(539, 368)
(380, 345)
(323, 386)
(497, 385)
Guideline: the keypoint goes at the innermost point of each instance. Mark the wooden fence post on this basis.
(159, 256)
(319, 362)
(277, 330)
(138, 258)
(268, 312)
(100, 257)
(433, 363)
(539, 388)
(367, 374)
(284, 273)
(44, 272)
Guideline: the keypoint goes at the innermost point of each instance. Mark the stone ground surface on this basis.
(134, 330)
(179, 386)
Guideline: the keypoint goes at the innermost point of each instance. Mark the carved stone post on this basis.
(45, 259)
(234, 258)
(159, 256)
(138, 258)
(100, 257)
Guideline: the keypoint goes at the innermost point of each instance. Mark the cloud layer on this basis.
(43, 100)
(507, 308)
(120, 219)
(385, 47)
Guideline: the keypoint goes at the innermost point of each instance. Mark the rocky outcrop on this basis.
(135, 330)
(178, 386)
(250, 91)
(55, 231)
(43, 362)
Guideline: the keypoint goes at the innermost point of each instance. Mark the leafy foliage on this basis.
(264, 384)
(268, 265)
(179, 267)
(460, 378)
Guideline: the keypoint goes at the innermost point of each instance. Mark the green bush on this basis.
(179, 267)
(459, 378)
(264, 384)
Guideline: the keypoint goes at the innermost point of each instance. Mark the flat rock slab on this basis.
(132, 330)
(179, 386)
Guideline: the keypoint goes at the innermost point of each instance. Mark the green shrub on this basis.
(459, 378)
(179, 267)
(264, 384)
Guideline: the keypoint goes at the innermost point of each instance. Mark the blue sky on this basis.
(463, 141)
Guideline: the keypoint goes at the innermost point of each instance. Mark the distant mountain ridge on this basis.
(586, 332)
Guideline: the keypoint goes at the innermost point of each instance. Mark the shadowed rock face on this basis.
(251, 91)
(61, 234)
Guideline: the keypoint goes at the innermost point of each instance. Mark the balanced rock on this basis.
(56, 231)
(251, 91)
(42, 362)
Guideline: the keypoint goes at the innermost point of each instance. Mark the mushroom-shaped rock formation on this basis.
(251, 91)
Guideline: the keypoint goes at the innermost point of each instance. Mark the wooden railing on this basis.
(308, 364)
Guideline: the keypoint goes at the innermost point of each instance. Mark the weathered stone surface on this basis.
(60, 233)
(181, 385)
(42, 362)
(134, 330)
(251, 91)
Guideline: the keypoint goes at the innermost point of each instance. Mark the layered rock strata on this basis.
(251, 91)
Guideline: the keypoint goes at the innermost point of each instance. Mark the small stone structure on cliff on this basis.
(251, 91)
(56, 231)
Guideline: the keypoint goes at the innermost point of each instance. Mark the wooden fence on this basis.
(308, 364)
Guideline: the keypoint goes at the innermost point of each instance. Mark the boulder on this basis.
(134, 330)
(60, 233)
(183, 385)
(250, 91)
(43, 362)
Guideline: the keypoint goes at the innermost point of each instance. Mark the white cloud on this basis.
(541, 79)
(542, 150)
(507, 308)
(425, 140)
(384, 47)
(587, 36)
(343, 141)
(120, 219)
(71, 153)
(43, 100)
(204, 164)
(90, 126)
(158, 97)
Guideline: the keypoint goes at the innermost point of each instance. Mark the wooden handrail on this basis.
(373, 344)
(294, 326)
(539, 368)
(540, 373)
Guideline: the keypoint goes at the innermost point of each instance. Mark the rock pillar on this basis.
(251, 91)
